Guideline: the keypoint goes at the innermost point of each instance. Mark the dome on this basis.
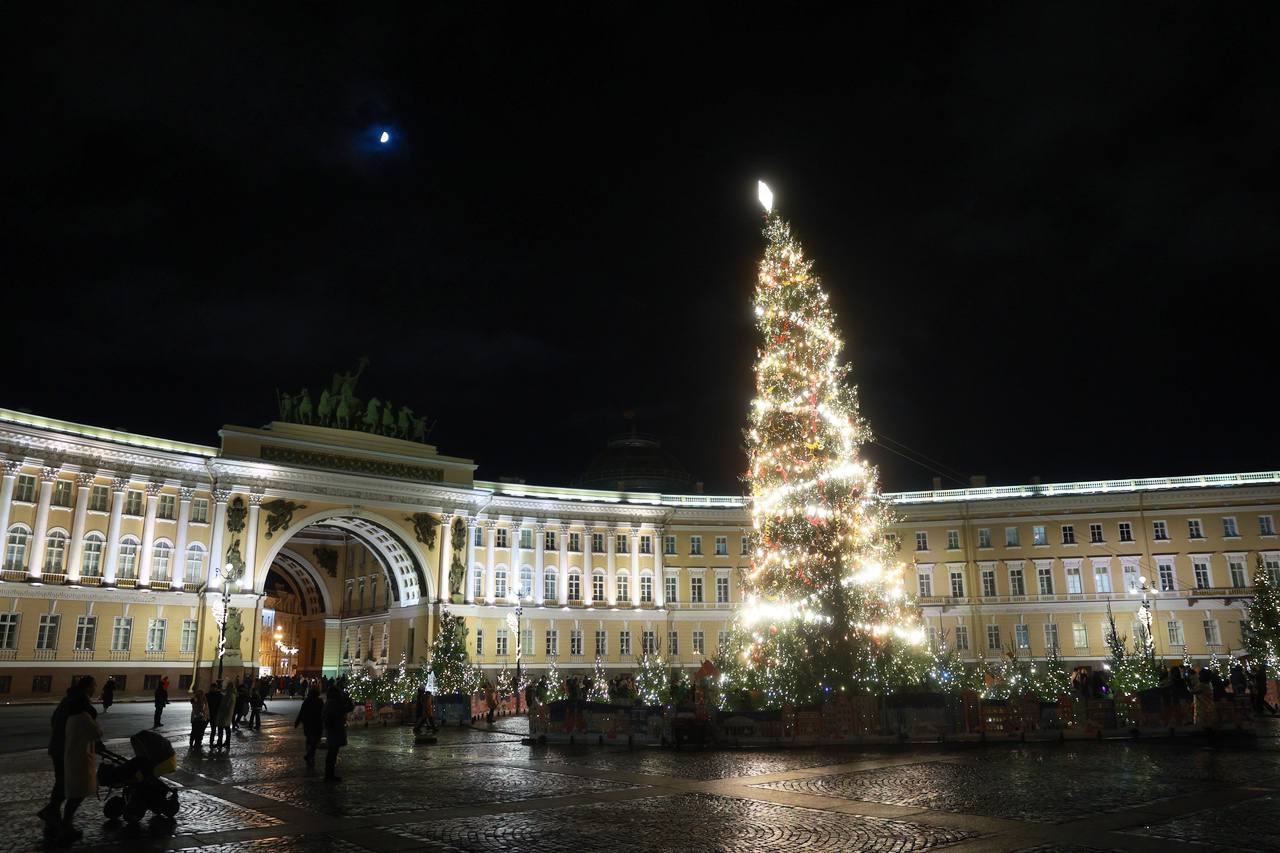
(634, 462)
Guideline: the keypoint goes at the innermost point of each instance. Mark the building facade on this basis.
(350, 544)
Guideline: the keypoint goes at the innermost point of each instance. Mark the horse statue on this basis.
(371, 415)
(324, 412)
(303, 407)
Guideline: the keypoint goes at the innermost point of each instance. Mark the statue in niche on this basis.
(371, 415)
(324, 412)
(457, 569)
(235, 561)
(402, 423)
(235, 628)
(236, 513)
(388, 419)
(280, 514)
(285, 403)
(424, 527)
(328, 559)
(302, 409)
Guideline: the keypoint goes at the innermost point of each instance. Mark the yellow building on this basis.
(352, 543)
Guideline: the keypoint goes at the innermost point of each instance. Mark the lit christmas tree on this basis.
(555, 681)
(599, 691)
(1131, 672)
(826, 608)
(1262, 638)
(1053, 682)
(450, 663)
(651, 681)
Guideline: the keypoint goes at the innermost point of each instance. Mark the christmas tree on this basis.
(948, 673)
(450, 663)
(1262, 638)
(1053, 682)
(651, 681)
(555, 681)
(1131, 672)
(826, 608)
(599, 683)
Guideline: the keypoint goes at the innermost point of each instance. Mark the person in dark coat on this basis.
(214, 699)
(336, 707)
(108, 694)
(76, 701)
(311, 718)
(256, 704)
(161, 699)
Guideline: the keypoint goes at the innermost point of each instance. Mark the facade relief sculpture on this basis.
(424, 527)
(280, 514)
(236, 513)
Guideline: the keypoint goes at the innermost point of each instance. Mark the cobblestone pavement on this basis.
(482, 789)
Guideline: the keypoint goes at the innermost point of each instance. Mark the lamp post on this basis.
(225, 577)
(513, 622)
(1144, 587)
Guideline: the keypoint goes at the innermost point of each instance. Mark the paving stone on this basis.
(718, 764)
(691, 822)
(283, 844)
(1249, 825)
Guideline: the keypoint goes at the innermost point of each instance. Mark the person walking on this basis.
(199, 719)
(256, 704)
(161, 699)
(108, 694)
(222, 720)
(81, 766)
(77, 700)
(1202, 698)
(490, 700)
(213, 699)
(425, 710)
(336, 707)
(311, 718)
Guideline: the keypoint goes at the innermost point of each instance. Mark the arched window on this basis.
(195, 563)
(477, 583)
(15, 551)
(526, 582)
(161, 557)
(549, 583)
(624, 588)
(91, 560)
(597, 585)
(646, 588)
(575, 585)
(127, 563)
(55, 552)
(500, 582)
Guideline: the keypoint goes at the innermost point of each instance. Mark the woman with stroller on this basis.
(311, 718)
(81, 767)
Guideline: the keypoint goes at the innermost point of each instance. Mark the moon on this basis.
(384, 138)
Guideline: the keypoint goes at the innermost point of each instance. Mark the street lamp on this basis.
(513, 623)
(1144, 587)
(226, 578)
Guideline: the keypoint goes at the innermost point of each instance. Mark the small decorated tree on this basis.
(555, 681)
(599, 683)
(1052, 681)
(1262, 638)
(450, 663)
(651, 680)
(1131, 672)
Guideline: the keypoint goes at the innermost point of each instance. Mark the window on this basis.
(1165, 569)
(166, 507)
(526, 582)
(47, 631)
(1022, 636)
(86, 633)
(1176, 637)
(984, 537)
(646, 544)
(699, 643)
(1193, 529)
(993, 637)
(41, 683)
(957, 583)
(953, 540)
(1130, 572)
(624, 643)
(722, 546)
(187, 639)
(575, 586)
(195, 564)
(6, 683)
(597, 542)
(1229, 529)
(746, 546)
(500, 536)
(479, 641)
(477, 586)
(1016, 584)
(1159, 531)
(1079, 635)
(1095, 533)
(695, 546)
(161, 556)
(1101, 577)
(1272, 565)
(672, 585)
(597, 586)
(624, 588)
(648, 643)
(200, 511)
(1201, 566)
(1236, 565)
(133, 502)
(621, 543)
(575, 542)
(500, 643)
(1068, 534)
(722, 589)
(127, 560)
(602, 644)
(1211, 636)
(1126, 531)
(1074, 584)
(1266, 526)
(26, 489)
(989, 582)
(668, 544)
(156, 629)
(526, 641)
(62, 493)
(549, 586)
(1011, 537)
(922, 540)
(91, 559)
(673, 643)
(646, 589)
(121, 633)
(1050, 636)
(15, 552)
(1044, 574)
(55, 552)
(9, 630)
(924, 580)
(526, 537)
(1038, 535)
(722, 640)
(695, 589)
(548, 540)
(962, 638)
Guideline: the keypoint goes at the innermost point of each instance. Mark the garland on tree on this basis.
(450, 664)
(1262, 635)
(1131, 672)
(651, 681)
(599, 691)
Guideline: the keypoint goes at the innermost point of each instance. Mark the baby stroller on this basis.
(139, 779)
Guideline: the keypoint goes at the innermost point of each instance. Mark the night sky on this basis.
(1050, 232)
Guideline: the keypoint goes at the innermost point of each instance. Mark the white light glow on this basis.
(765, 194)
(384, 138)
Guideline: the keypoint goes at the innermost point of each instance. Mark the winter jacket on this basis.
(311, 717)
(73, 703)
(336, 708)
(80, 756)
(226, 709)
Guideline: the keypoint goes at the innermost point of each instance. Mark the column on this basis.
(179, 567)
(490, 577)
(251, 542)
(446, 555)
(41, 528)
(611, 565)
(513, 572)
(562, 591)
(659, 582)
(635, 563)
(539, 554)
(469, 585)
(149, 535)
(118, 487)
(75, 548)
(11, 469)
(587, 568)
(216, 557)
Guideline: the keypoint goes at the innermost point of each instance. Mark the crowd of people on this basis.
(1189, 694)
